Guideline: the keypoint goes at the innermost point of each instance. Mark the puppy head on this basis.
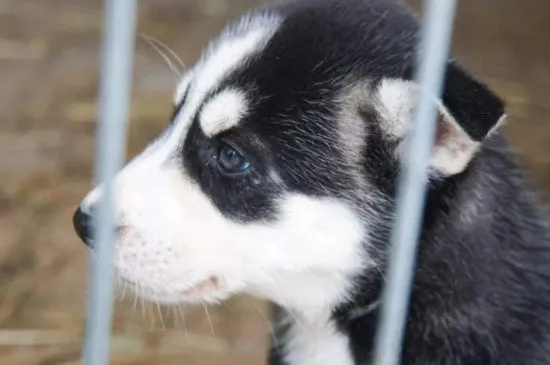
(277, 171)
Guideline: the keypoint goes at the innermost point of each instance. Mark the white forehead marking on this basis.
(231, 50)
(234, 46)
(223, 112)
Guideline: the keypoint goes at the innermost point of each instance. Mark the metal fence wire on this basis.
(115, 85)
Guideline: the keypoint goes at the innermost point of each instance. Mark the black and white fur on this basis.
(277, 174)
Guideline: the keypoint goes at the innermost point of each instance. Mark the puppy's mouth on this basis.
(207, 290)
(206, 286)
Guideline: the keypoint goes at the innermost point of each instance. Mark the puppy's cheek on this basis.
(176, 271)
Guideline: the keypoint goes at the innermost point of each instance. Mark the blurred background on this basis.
(49, 53)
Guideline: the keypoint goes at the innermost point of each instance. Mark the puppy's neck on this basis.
(310, 297)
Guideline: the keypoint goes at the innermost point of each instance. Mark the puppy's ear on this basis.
(467, 114)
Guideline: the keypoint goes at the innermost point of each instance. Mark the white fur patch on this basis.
(396, 105)
(223, 112)
(316, 343)
(453, 148)
(235, 45)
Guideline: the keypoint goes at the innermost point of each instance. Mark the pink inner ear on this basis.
(453, 148)
(446, 130)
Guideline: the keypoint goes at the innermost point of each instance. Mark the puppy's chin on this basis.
(209, 291)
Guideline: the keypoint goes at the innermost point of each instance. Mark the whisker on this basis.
(209, 320)
(272, 331)
(160, 316)
(175, 318)
(186, 333)
(152, 317)
(135, 299)
(142, 304)
(156, 46)
(170, 50)
(123, 294)
(296, 320)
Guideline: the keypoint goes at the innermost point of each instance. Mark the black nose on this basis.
(83, 225)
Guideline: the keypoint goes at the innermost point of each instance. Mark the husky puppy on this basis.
(277, 175)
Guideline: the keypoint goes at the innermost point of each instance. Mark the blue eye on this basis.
(231, 160)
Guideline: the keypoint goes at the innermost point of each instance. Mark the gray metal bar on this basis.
(434, 49)
(116, 71)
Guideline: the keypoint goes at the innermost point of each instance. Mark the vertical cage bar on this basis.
(114, 99)
(433, 54)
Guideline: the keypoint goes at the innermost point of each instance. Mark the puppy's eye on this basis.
(231, 160)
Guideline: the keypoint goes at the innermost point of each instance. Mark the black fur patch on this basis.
(473, 105)
(245, 197)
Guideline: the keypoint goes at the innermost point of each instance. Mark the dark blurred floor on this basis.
(48, 67)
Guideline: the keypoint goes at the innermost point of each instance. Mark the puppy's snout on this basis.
(83, 222)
